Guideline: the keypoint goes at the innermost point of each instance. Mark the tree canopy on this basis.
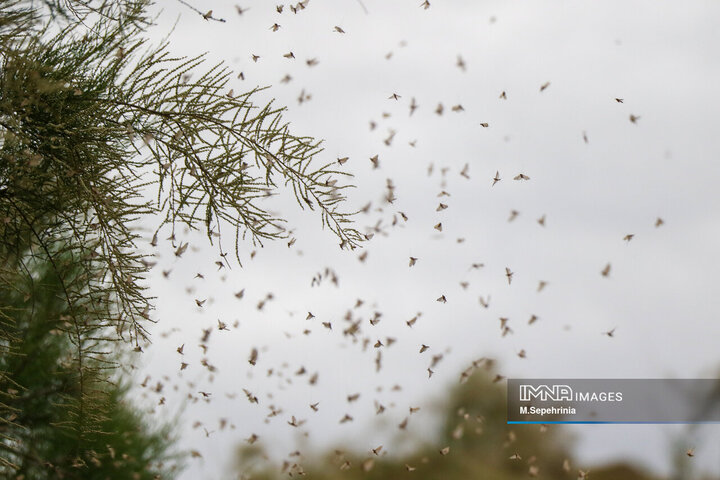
(99, 129)
(474, 441)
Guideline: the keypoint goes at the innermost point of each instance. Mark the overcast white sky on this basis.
(662, 294)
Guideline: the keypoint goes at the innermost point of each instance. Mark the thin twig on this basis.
(202, 14)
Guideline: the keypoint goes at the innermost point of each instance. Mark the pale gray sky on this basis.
(662, 292)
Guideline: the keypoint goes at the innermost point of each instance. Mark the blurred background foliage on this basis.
(481, 445)
(40, 438)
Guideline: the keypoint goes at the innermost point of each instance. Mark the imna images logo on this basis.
(556, 393)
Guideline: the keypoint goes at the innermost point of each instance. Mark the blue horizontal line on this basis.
(608, 422)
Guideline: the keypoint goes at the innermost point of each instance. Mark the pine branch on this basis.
(88, 127)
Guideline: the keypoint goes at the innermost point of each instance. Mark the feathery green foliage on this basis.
(98, 130)
(65, 422)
